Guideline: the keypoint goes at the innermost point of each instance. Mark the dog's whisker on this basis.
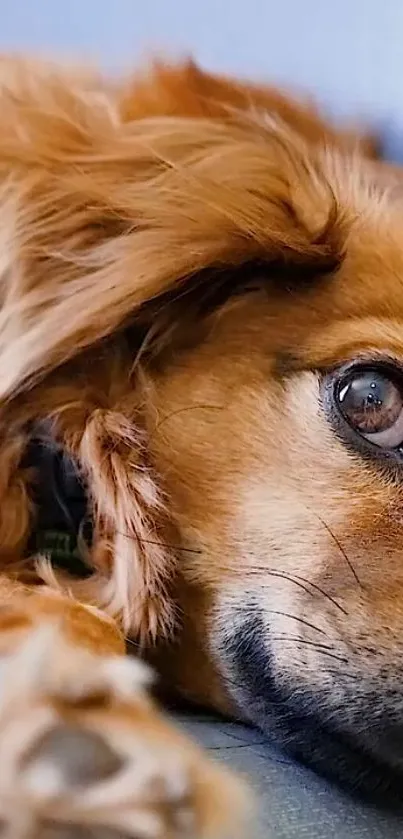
(285, 636)
(306, 585)
(303, 583)
(323, 649)
(260, 572)
(183, 411)
(298, 619)
(251, 609)
(324, 593)
(300, 581)
(339, 546)
(167, 545)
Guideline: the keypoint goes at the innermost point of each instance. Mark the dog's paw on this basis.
(84, 754)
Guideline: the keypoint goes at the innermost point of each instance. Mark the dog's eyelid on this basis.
(350, 361)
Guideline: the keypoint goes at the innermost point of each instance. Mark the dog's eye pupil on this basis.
(370, 401)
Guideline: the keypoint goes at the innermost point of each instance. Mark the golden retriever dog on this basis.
(201, 450)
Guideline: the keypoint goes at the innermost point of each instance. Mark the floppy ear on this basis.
(101, 213)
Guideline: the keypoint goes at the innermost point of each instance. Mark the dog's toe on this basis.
(84, 786)
(88, 756)
(70, 757)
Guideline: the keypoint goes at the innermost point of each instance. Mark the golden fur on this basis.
(181, 254)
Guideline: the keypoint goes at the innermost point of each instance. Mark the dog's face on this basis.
(263, 269)
(279, 434)
(281, 439)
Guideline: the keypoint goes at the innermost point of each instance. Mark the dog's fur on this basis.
(183, 258)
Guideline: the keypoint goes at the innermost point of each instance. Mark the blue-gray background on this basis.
(349, 53)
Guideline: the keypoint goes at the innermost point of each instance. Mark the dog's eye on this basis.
(371, 401)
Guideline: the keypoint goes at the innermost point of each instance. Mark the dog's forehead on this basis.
(354, 310)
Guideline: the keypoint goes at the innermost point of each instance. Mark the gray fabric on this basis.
(292, 801)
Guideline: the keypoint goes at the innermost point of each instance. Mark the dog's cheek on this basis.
(193, 666)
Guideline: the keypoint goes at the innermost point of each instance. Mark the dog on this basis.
(201, 444)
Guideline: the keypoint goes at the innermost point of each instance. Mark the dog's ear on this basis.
(101, 212)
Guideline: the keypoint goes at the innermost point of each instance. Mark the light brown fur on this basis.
(150, 232)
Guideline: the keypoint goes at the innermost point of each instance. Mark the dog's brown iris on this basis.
(372, 403)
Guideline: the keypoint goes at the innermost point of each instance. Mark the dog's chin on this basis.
(361, 763)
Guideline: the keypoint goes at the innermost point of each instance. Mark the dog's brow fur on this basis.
(285, 364)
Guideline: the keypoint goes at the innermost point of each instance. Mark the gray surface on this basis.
(292, 802)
